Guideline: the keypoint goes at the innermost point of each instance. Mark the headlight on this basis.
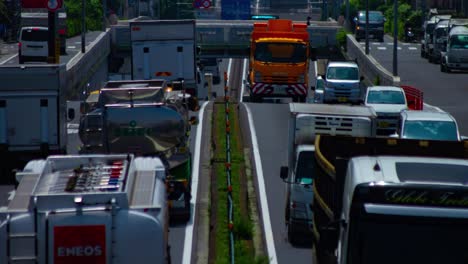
(298, 210)
(257, 77)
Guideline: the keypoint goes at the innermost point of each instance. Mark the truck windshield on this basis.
(305, 167)
(373, 16)
(386, 239)
(343, 73)
(430, 130)
(385, 97)
(459, 42)
(281, 52)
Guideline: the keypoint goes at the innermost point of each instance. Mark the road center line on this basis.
(244, 68)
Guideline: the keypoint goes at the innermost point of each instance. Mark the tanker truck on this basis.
(279, 60)
(87, 209)
(146, 118)
(386, 200)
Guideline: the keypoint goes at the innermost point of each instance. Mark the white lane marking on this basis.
(71, 47)
(412, 48)
(7, 59)
(263, 197)
(398, 48)
(244, 68)
(437, 109)
(381, 48)
(187, 256)
(390, 43)
(228, 74)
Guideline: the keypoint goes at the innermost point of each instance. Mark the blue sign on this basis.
(235, 9)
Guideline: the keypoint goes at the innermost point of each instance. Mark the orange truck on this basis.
(279, 60)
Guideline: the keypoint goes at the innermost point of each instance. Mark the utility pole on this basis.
(347, 16)
(83, 26)
(395, 38)
(367, 27)
(104, 15)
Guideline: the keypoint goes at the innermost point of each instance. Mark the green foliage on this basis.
(405, 15)
(94, 17)
(341, 37)
(243, 228)
(377, 80)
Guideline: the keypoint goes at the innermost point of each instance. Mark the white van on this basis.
(33, 44)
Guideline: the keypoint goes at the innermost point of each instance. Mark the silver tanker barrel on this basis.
(140, 117)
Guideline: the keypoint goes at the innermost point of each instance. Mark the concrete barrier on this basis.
(371, 69)
(83, 67)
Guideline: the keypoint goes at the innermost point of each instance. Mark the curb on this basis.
(253, 207)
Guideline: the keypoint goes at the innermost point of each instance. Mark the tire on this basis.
(381, 39)
(357, 39)
(430, 59)
(292, 237)
(442, 68)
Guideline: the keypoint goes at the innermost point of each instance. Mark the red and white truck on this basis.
(87, 209)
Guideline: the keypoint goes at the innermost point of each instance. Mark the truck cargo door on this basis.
(30, 119)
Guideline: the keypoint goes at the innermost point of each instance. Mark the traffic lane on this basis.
(271, 126)
(73, 48)
(177, 229)
(444, 90)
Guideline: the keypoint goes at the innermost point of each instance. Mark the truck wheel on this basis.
(442, 67)
(292, 237)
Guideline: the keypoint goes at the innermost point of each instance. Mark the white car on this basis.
(388, 102)
(426, 125)
(33, 44)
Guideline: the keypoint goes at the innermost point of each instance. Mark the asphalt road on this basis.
(447, 91)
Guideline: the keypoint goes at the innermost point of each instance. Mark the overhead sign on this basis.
(202, 3)
(80, 244)
(54, 4)
(235, 9)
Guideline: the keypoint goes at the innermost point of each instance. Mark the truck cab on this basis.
(392, 204)
(439, 39)
(307, 120)
(380, 200)
(342, 82)
(455, 56)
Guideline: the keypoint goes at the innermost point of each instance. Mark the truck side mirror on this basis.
(284, 172)
(355, 19)
(312, 88)
(362, 78)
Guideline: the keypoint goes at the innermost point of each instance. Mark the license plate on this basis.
(383, 124)
(342, 99)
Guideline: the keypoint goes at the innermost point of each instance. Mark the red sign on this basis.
(80, 244)
(206, 3)
(39, 3)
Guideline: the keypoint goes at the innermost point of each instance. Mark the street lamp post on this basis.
(83, 26)
(367, 27)
(395, 38)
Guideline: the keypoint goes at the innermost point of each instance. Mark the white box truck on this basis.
(87, 209)
(306, 121)
(165, 49)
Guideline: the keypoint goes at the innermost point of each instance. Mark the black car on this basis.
(376, 25)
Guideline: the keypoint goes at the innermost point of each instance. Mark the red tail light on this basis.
(62, 31)
(19, 45)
